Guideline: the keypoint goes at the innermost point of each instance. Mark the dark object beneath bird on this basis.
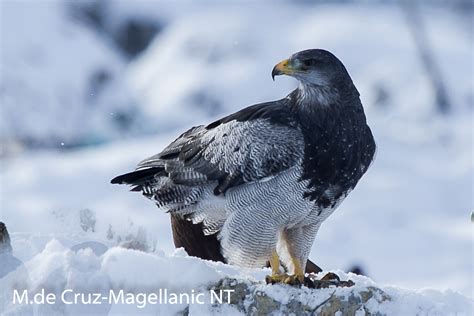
(191, 237)
(329, 280)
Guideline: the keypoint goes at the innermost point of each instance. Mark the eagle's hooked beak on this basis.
(282, 68)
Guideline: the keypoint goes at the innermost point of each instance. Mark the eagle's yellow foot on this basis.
(284, 278)
(276, 278)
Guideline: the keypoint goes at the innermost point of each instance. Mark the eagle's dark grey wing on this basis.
(231, 153)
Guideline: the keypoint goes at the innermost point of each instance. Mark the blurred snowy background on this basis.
(89, 88)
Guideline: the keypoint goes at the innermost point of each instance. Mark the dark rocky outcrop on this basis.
(252, 298)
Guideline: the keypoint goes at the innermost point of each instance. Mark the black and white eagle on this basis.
(262, 180)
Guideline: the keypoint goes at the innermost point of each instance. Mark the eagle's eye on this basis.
(310, 62)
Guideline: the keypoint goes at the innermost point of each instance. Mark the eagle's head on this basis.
(322, 75)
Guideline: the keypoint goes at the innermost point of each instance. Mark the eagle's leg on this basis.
(298, 276)
(277, 277)
(298, 241)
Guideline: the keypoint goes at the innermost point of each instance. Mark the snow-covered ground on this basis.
(407, 223)
(136, 273)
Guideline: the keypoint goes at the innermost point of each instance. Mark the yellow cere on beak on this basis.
(282, 68)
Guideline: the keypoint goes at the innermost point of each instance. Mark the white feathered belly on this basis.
(250, 217)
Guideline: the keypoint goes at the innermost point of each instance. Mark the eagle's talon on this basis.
(293, 280)
(276, 278)
(284, 278)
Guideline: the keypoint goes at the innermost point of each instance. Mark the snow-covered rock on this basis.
(154, 283)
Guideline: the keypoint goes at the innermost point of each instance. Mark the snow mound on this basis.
(58, 269)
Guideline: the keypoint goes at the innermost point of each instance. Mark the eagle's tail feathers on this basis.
(137, 177)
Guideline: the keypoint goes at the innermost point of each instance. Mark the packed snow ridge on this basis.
(129, 281)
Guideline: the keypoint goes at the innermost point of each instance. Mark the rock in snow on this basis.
(7, 260)
(253, 298)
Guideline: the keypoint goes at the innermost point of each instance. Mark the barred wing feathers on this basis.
(191, 175)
